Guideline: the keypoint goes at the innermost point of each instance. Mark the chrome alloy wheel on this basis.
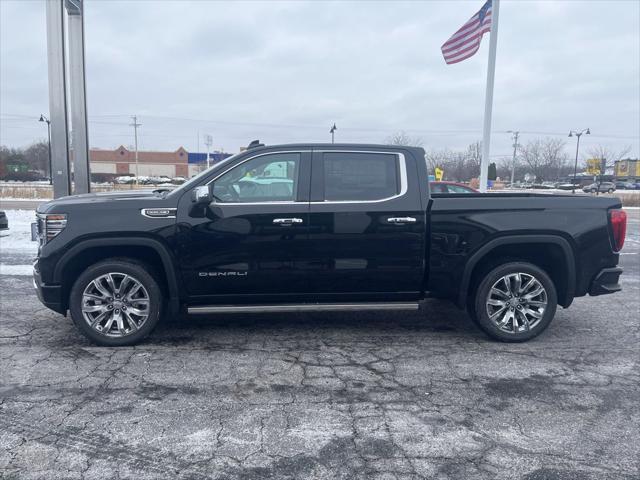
(516, 303)
(115, 304)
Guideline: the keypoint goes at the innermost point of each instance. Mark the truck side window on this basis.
(360, 176)
(267, 178)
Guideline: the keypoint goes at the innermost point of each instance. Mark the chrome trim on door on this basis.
(287, 221)
(401, 220)
(303, 307)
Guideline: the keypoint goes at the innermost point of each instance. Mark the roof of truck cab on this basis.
(335, 146)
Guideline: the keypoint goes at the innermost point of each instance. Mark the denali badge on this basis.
(159, 212)
(222, 274)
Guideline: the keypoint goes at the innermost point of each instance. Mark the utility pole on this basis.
(515, 151)
(332, 132)
(135, 126)
(208, 141)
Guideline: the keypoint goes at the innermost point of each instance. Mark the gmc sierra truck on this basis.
(313, 227)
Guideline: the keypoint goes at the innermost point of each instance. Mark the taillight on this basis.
(618, 222)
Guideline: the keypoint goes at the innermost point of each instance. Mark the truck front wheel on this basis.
(116, 302)
(515, 302)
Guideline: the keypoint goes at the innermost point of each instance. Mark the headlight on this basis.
(50, 225)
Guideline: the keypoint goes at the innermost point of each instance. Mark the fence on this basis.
(36, 190)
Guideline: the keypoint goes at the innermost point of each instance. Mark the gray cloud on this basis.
(285, 71)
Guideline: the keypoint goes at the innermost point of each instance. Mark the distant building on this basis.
(122, 161)
(627, 168)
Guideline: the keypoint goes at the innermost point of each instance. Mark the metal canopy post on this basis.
(58, 99)
(79, 132)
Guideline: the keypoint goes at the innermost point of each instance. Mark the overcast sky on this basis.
(286, 71)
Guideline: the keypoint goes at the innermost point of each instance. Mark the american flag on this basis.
(466, 41)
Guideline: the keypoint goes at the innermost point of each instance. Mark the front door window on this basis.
(267, 178)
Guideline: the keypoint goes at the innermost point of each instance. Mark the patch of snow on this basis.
(18, 270)
(18, 238)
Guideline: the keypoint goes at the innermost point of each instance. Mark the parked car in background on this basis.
(625, 185)
(567, 186)
(451, 187)
(4, 221)
(608, 187)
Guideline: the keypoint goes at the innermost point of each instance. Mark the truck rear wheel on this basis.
(116, 302)
(515, 302)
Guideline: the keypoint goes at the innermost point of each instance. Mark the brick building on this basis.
(122, 161)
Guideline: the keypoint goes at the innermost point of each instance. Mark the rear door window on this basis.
(360, 176)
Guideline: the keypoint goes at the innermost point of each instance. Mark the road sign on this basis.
(439, 174)
(593, 166)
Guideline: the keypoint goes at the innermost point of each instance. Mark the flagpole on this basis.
(488, 102)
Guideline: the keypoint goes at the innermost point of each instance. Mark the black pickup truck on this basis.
(313, 227)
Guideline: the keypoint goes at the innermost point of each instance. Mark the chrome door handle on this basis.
(400, 220)
(287, 221)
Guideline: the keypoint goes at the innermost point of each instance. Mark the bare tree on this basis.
(505, 165)
(474, 158)
(545, 158)
(608, 153)
(37, 156)
(404, 139)
(435, 158)
(460, 166)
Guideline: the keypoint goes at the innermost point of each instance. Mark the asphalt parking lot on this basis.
(324, 396)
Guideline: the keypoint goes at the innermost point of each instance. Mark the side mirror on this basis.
(202, 194)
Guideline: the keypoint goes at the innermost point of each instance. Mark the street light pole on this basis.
(45, 119)
(575, 166)
(332, 132)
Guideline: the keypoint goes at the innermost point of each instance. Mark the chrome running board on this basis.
(303, 307)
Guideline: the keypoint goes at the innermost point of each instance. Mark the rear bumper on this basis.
(606, 281)
(49, 295)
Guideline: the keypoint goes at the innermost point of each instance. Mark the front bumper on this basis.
(606, 281)
(49, 295)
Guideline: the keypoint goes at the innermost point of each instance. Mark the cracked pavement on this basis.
(374, 395)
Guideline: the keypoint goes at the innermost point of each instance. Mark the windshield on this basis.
(195, 179)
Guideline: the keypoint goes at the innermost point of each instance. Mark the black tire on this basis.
(480, 314)
(610, 190)
(142, 274)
